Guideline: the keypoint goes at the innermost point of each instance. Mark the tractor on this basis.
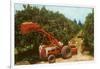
(48, 51)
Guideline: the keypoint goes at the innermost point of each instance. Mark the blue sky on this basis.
(78, 13)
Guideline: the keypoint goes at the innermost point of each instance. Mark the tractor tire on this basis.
(51, 59)
(66, 52)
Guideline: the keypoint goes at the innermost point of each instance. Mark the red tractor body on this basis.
(54, 48)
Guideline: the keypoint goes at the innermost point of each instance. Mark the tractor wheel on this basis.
(66, 52)
(51, 58)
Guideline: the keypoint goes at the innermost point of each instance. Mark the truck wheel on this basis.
(51, 58)
(66, 52)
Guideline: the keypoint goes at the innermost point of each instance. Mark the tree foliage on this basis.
(89, 32)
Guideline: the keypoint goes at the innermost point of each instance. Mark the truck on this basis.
(51, 50)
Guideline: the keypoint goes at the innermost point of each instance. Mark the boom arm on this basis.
(27, 27)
